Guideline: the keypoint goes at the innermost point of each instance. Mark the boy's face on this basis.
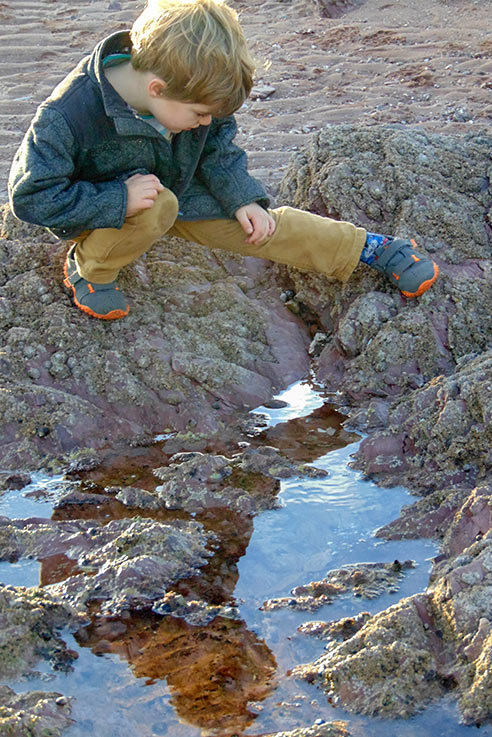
(174, 115)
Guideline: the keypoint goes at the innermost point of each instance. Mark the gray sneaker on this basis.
(104, 301)
(405, 268)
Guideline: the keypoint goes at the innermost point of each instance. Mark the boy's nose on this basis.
(206, 120)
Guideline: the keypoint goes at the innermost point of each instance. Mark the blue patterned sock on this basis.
(373, 241)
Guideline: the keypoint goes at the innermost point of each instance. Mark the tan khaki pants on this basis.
(301, 239)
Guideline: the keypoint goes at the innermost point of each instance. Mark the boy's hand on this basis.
(142, 192)
(256, 222)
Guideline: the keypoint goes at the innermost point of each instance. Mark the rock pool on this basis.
(150, 675)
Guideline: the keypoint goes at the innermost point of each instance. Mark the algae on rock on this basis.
(29, 632)
(124, 564)
(33, 714)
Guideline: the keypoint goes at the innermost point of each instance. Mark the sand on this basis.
(409, 62)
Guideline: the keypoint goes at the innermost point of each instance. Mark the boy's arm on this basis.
(42, 189)
(224, 169)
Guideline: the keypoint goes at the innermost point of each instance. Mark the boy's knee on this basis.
(166, 206)
(161, 216)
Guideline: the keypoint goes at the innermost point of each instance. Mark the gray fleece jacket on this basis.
(85, 141)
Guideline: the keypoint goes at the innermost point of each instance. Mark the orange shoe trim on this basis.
(425, 284)
(113, 315)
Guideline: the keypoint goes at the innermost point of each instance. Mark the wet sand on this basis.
(406, 62)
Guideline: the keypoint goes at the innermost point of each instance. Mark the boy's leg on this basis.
(101, 253)
(320, 244)
(301, 239)
(93, 263)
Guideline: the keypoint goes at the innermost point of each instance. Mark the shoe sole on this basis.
(113, 315)
(425, 284)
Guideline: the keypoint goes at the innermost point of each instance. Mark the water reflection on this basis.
(55, 568)
(214, 672)
(304, 439)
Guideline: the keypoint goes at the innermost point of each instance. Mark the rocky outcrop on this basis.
(417, 650)
(440, 436)
(247, 483)
(326, 729)
(125, 564)
(206, 336)
(417, 376)
(390, 667)
(401, 181)
(34, 714)
(30, 621)
(367, 580)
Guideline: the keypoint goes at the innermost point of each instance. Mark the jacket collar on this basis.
(126, 121)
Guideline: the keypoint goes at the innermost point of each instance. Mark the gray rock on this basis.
(200, 341)
(124, 564)
(33, 714)
(322, 729)
(367, 580)
(381, 345)
(31, 620)
(440, 436)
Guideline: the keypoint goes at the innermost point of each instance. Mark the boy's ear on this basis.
(156, 87)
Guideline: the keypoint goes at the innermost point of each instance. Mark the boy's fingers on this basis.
(156, 182)
(245, 222)
(146, 179)
(257, 237)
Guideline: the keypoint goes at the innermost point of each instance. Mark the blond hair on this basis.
(198, 48)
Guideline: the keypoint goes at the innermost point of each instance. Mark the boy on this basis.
(137, 141)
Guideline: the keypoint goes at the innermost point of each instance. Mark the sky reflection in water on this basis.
(221, 674)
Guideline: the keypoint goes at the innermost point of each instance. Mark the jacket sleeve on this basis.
(43, 188)
(223, 168)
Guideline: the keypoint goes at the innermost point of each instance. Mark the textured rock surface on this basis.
(417, 376)
(207, 335)
(405, 182)
(196, 613)
(367, 580)
(121, 565)
(34, 714)
(247, 483)
(439, 436)
(329, 729)
(390, 667)
(30, 620)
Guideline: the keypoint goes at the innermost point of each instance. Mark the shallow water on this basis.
(34, 500)
(322, 524)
